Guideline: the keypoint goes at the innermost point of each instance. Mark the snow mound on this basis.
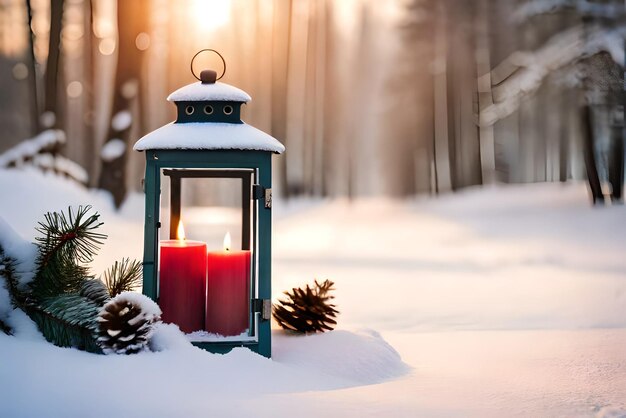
(168, 337)
(337, 359)
(362, 357)
(31, 193)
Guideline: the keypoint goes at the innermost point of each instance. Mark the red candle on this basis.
(182, 282)
(228, 291)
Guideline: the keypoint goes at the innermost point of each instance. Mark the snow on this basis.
(23, 251)
(33, 151)
(502, 301)
(70, 168)
(204, 336)
(48, 119)
(209, 136)
(149, 309)
(196, 92)
(121, 120)
(30, 147)
(30, 194)
(113, 149)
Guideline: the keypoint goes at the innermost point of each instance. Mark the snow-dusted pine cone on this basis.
(126, 323)
(307, 310)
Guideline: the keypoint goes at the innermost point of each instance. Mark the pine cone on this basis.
(307, 310)
(126, 323)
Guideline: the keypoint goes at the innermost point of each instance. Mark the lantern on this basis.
(219, 295)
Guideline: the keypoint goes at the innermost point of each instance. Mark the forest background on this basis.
(371, 98)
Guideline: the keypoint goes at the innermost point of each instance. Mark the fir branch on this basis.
(5, 328)
(8, 271)
(96, 291)
(66, 241)
(70, 236)
(123, 276)
(70, 320)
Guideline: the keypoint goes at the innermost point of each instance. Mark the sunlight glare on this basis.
(211, 14)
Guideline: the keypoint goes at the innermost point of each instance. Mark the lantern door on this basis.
(206, 270)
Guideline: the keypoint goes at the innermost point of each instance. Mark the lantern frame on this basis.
(259, 165)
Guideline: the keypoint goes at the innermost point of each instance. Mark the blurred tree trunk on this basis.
(451, 93)
(280, 60)
(616, 164)
(52, 108)
(485, 98)
(133, 19)
(590, 156)
(300, 21)
(89, 46)
(564, 137)
(462, 95)
(51, 99)
(320, 96)
(32, 73)
(441, 151)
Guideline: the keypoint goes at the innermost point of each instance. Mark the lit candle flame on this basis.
(227, 242)
(180, 232)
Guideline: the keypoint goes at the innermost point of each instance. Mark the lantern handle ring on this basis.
(208, 50)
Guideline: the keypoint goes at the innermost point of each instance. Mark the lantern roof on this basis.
(209, 136)
(205, 92)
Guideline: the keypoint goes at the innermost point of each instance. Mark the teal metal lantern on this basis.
(208, 141)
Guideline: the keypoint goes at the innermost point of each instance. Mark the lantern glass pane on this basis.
(206, 281)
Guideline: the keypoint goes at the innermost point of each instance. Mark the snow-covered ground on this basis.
(504, 301)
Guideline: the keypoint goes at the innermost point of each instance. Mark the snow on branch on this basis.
(46, 141)
(40, 152)
(522, 73)
(531, 8)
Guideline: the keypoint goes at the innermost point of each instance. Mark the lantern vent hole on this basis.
(208, 110)
(228, 110)
(189, 110)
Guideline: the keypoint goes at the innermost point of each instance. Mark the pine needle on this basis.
(66, 242)
(122, 276)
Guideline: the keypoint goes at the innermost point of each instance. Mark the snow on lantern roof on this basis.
(200, 92)
(209, 136)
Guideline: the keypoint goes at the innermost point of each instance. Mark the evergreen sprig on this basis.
(65, 243)
(96, 291)
(307, 310)
(70, 320)
(8, 267)
(122, 276)
(8, 271)
(64, 300)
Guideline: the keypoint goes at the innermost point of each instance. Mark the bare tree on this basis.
(132, 21)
